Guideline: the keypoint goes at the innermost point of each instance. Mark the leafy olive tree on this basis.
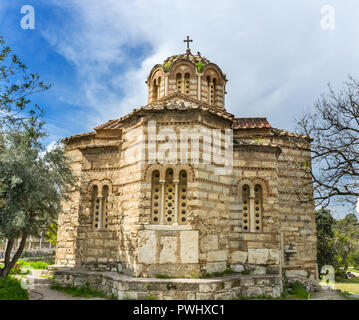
(16, 87)
(33, 180)
(36, 181)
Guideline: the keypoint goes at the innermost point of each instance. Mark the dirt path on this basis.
(326, 294)
(41, 290)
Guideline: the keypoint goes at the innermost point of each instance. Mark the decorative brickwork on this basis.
(134, 213)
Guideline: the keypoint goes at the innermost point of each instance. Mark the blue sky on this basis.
(98, 54)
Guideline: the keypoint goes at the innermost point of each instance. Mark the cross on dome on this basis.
(188, 41)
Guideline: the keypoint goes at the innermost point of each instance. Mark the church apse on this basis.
(143, 216)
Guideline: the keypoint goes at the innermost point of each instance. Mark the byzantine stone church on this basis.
(141, 216)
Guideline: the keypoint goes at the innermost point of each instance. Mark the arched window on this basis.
(169, 214)
(104, 213)
(156, 197)
(179, 82)
(213, 91)
(258, 201)
(158, 88)
(245, 207)
(100, 207)
(95, 208)
(252, 208)
(182, 198)
(154, 91)
(187, 82)
(209, 89)
(169, 198)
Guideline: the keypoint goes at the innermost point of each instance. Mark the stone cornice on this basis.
(257, 148)
(99, 148)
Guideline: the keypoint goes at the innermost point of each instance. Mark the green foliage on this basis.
(346, 295)
(85, 291)
(37, 181)
(162, 276)
(17, 85)
(325, 246)
(21, 264)
(295, 289)
(10, 289)
(258, 140)
(338, 241)
(166, 67)
(349, 285)
(150, 297)
(245, 271)
(33, 179)
(51, 234)
(37, 265)
(199, 66)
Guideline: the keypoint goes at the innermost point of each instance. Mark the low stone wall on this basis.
(125, 287)
(43, 254)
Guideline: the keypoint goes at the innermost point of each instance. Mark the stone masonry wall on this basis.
(68, 222)
(125, 287)
(298, 231)
(257, 252)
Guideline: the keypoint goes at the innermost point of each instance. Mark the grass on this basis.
(10, 289)
(37, 265)
(22, 267)
(162, 276)
(346, 295)
(295, 290)
(354, 269)
(291, 291)
(85, 291)
(348, 285)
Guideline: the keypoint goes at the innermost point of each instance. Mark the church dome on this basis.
(188, 74)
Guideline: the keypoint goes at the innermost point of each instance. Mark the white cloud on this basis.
(276, 56)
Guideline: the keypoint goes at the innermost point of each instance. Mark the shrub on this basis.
(166, 67)
(296, 289)
(10, 289)
(162, 276)
(199, 66)
(85, 291)
(38, 265)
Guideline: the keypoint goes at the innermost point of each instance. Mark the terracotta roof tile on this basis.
(251, 123)
(111, 124)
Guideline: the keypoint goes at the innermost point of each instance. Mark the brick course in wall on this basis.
(116, 157)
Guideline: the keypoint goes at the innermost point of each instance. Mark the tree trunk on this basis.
(10, 264)
(7, 257)
(9, 246)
